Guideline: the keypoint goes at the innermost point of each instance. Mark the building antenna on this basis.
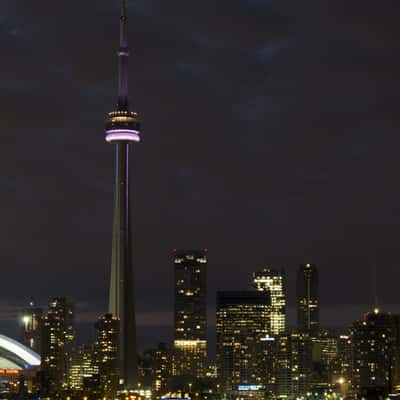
(374, 286)
(123, 55)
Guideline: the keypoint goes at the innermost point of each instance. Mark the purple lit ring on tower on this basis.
(124, 135)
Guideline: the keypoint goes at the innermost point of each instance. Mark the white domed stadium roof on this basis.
(15, 355)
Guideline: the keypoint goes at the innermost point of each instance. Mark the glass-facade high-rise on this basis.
(190, 336)
(58, 336)
(242, 327)
(106, 353)
(307, 299)
(83, 367)
(273, 281)
(293, 364)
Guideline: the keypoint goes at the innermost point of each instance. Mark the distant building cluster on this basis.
(257, 356)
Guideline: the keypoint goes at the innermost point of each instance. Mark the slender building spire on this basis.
(123, 34)
(123, 57)
(123, 128)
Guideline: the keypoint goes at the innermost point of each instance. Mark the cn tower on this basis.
(122, 129)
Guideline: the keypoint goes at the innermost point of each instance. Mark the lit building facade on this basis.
(343, 362)
(190, 336)
(106, 353)
(31, 324)
(273, 281)
(83, 366)
(162, 359)
(242, 324)
(58, 336)
(293, 364)
(307, 299)
(122, 129)
(324, 356)
(375, 345)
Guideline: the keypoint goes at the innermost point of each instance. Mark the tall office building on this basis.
(58, 337)
(342, 364)
(106, 353)
(273, 281)
(293, 365)
(308, 299)
(242, 326)
(190, 338)
(122, 129)
(31, 322)
(83, 366)
(376, 350)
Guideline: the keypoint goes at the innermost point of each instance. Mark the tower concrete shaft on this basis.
(122, 128)
(121, 302)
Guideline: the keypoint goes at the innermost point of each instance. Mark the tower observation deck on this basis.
(123, 128)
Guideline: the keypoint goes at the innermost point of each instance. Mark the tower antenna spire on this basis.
(123, 22)
(374, 286)
(123, 55)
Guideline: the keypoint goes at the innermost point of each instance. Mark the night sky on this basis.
(271, 134)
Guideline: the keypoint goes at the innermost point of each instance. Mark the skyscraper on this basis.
(342, 364)
(122, 128)
(242, 326)
(293, 364)
(273, 281)
(57, 342)
(307, 299)
(106, 354)
(190, 338)
(82, 366)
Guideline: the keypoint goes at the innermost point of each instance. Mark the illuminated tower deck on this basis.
(122, 128)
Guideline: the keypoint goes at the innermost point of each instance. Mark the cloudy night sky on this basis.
(271, 135)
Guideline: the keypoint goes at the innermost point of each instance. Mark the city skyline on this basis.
(86, 321)
(326, 196)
